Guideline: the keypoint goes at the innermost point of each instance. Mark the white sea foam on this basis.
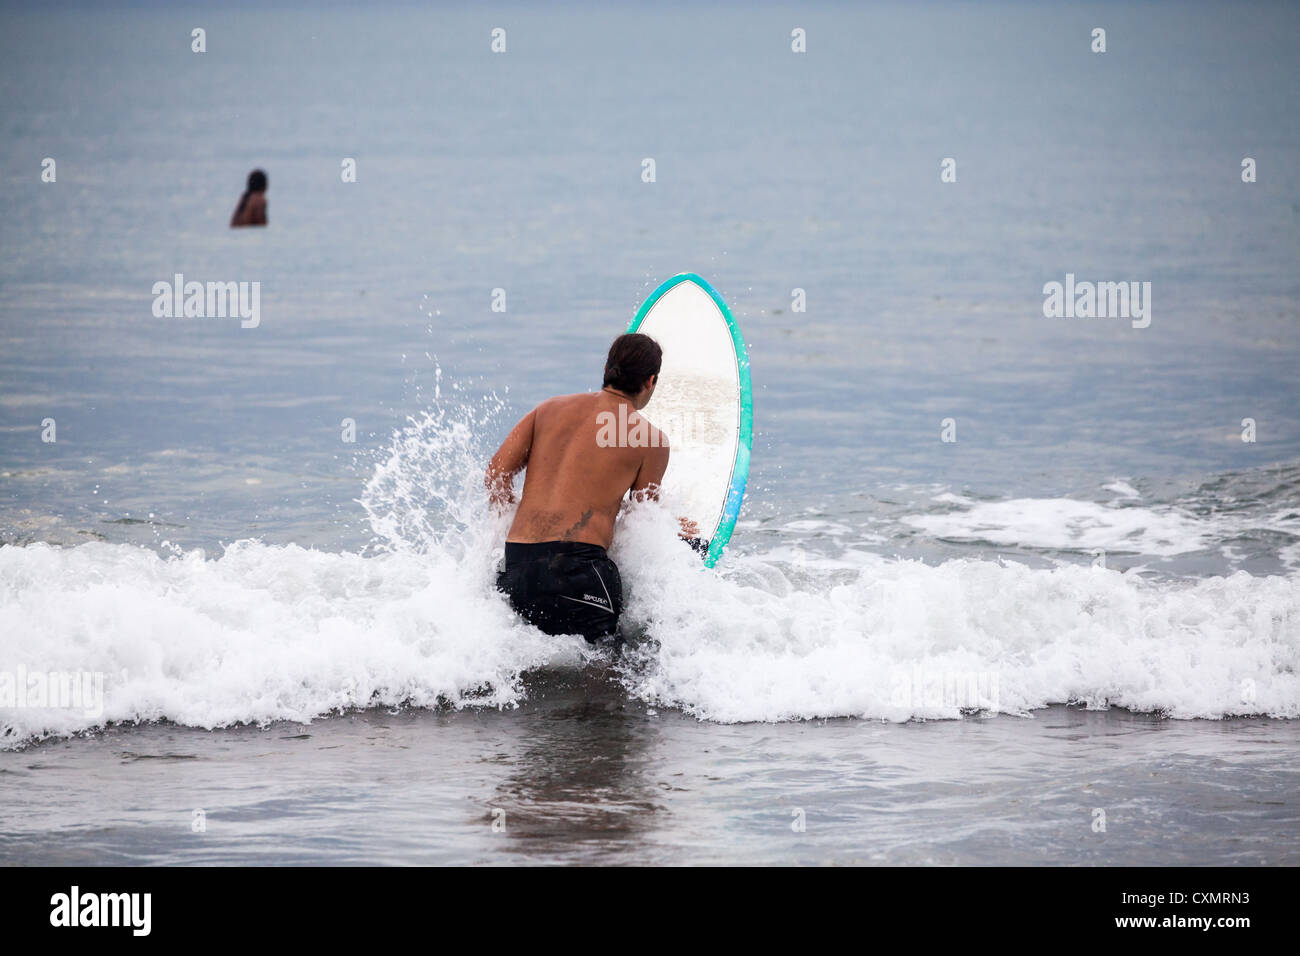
(765, 643)
(1067, 524)
(258, 634)
(1122, 487)
(262, 632)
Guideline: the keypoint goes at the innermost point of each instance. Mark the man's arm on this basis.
(510, 459)
(650, 477)
(645, 487)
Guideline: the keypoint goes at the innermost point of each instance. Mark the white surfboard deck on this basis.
(703, 403)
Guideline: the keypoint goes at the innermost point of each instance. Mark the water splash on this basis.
(263, 633)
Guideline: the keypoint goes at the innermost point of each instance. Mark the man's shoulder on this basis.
(566, 401)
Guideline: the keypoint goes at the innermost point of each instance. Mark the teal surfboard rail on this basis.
(739, 468)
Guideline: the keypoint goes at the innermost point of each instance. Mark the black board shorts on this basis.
(564, 587)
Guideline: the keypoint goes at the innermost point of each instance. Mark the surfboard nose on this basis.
(703, 403)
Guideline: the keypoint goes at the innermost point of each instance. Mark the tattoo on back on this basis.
(578, 525)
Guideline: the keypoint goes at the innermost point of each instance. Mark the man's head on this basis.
(633, 367)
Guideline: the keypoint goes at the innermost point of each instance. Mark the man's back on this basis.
(581, 464)
(582, 453)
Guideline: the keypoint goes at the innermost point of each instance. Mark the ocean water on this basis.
(937, 651)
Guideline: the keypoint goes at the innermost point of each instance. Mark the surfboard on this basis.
(703, 403)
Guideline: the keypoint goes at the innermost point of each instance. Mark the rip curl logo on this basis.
(212, 300)
(133, 910)
(592, 597)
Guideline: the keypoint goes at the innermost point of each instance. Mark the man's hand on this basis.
(500, 489)
(689, 528)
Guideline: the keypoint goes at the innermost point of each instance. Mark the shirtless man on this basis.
(251, 210)
(557, 574)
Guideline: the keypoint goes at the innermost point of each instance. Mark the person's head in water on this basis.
(252, 212)
(632, 367)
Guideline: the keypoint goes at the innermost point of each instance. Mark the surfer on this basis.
(251, 210)
(557, 574)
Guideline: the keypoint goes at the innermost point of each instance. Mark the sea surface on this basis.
(1069, 634)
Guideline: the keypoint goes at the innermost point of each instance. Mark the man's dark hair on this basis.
(633, 358)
